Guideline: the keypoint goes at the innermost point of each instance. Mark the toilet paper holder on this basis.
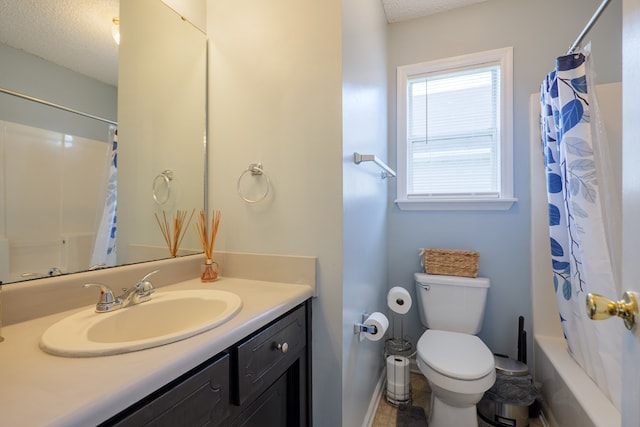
(360, 327)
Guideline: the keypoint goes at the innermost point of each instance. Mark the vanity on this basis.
(263, 377)
(254, 367)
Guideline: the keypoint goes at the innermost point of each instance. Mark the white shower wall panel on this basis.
(33, 166)
(54, 187)
(84, 174)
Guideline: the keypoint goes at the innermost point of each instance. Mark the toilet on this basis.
(458, 366)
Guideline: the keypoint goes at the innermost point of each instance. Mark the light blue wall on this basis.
(364, 193)
(539, 31)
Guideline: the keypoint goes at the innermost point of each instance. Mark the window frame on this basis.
(505, 199)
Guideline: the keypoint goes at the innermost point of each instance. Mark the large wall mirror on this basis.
(60, 168)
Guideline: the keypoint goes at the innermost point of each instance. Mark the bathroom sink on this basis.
(168, 317)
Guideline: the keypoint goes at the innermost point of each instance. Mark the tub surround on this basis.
(87, 391)
(571, 397)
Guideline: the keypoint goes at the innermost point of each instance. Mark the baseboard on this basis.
(375, 401)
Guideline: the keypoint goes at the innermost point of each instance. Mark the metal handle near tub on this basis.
(599, 308)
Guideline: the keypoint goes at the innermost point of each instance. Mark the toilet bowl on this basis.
(459, 369)
(458, 366)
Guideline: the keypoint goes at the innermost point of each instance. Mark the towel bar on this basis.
(387, 171)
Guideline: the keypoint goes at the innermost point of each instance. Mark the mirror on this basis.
(57, 162)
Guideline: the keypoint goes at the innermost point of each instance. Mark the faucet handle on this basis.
(107, 299)
(144, 286)
(144, 279)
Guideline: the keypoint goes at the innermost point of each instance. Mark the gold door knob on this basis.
(599, 307)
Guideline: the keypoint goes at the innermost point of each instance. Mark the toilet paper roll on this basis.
(399, 300)
(398, 380)
(381, 323)
(398, 369)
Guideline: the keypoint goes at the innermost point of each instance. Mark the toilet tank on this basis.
(451, 303)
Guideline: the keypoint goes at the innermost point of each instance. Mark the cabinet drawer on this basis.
(267, 355)
(196, 399)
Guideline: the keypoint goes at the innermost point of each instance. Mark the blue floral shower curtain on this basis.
(581, 244)
(104, 249)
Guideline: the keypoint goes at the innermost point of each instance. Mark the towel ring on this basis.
(166, 176)
(254, 169)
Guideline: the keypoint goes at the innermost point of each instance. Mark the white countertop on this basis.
(38, 389)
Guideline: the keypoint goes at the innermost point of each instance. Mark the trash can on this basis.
(507, 402)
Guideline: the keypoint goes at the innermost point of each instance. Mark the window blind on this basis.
(453, 140)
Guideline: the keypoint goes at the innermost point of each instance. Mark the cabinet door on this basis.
(198, 398)
(268, 410)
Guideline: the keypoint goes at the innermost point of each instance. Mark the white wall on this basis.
(275, 86)
(539, 32)
(193, 10)
(364, 101)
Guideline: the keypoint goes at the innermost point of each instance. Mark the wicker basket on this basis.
(450, 262)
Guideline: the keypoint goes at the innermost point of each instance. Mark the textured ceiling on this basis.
(75, 34)
(403, 10)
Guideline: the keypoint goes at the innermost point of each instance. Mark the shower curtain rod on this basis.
(58, 106)
(587, 27)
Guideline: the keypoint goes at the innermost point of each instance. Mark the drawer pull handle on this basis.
(284, 347)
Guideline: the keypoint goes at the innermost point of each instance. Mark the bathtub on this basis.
(570, 397)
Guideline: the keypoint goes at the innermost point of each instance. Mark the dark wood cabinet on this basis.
(198, 398)
(263, 380)
(269, 410)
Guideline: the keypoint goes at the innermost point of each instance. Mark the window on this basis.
(455, 133)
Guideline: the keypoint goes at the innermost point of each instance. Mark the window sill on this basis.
(501, 204)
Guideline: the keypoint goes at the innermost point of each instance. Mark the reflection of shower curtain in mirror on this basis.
(104, 249)
(582, 211)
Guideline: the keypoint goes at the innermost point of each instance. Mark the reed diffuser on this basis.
(173, 239)
(209, 270)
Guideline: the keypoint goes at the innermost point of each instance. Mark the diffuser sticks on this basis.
(207, 237)
(173, 239)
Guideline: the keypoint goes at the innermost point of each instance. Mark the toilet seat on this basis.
(455, 355)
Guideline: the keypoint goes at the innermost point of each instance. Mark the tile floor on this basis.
(421, 396)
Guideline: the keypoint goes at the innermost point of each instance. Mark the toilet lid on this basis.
(455, 355)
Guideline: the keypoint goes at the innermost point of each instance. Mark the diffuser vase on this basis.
(209, 271)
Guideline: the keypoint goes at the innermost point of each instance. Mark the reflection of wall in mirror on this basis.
(161, 116)
(33, 76)
(22, 72)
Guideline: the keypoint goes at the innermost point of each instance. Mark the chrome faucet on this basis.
(137, 294)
